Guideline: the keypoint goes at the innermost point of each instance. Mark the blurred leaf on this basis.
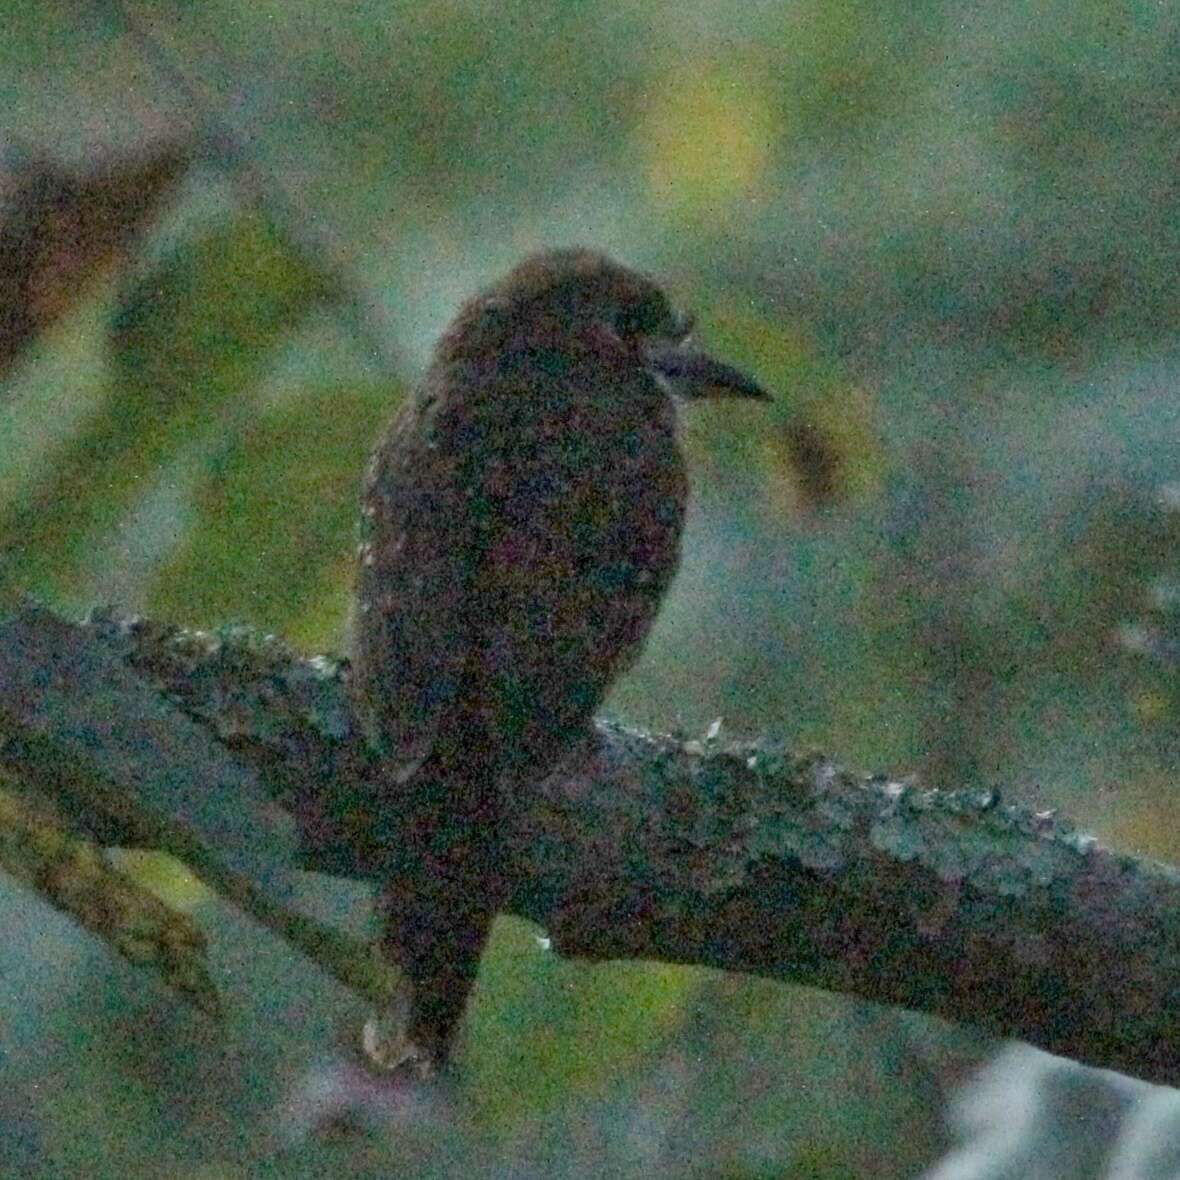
(198, 326)
(190, 336)
(820, 445)
(852, 61)
(543, 1027)
(60, 228)
(47, 400)
(275, 526)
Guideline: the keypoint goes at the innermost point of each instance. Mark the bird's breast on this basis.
(582, 540)
(590, 507)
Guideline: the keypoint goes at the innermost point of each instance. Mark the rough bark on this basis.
(734, 855)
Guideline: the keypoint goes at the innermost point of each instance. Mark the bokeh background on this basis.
(946, 235)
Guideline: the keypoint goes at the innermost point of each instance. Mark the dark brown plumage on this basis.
(522, 523)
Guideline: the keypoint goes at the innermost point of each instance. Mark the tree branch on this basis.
(76, 877)
(736, 855)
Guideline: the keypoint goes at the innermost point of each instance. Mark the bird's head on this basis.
(578, 297)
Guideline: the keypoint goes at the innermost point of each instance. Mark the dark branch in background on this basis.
(312, 239)
(63, 227)
(730, 855)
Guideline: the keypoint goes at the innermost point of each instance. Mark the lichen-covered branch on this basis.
(741, 856)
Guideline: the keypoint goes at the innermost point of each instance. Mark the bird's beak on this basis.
(689, 372)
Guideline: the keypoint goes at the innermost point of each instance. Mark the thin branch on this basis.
(74, 875)
(279, 209)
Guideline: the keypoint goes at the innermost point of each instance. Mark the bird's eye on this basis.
(627, 323)
(651, 317)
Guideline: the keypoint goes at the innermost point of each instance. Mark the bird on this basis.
(521, 524)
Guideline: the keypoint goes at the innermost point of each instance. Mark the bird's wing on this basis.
(417, 559)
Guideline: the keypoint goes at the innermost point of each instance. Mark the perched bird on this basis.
(521, 523)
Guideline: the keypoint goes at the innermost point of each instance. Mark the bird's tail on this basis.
(445, 885)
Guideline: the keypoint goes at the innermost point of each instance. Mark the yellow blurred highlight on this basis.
(708, 137)
(164, 876)
(1150, 707)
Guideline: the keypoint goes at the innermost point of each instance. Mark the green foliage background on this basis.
(947, 235)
